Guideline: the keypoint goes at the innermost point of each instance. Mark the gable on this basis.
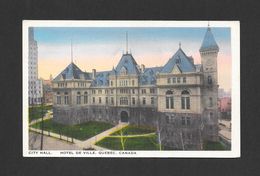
(176, 69)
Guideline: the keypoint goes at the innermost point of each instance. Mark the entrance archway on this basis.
(124, 116)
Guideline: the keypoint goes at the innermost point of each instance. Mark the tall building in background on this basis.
(35, 84)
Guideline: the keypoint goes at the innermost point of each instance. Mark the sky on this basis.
(101, 48)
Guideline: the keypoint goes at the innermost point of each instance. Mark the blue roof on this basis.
(128, 62)
(149, 76)
(101, 79)
(72, 71)
(184, 63)
(209, 42)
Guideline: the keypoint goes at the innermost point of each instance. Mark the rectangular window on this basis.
(99, 91)
(133, 82)
(173, 80)
(144, 101)
(133, 101)
(152, 90)
(58, 99)
(184, 79)
(183, 122)
(99, 100)
(182, 102)
(66, 99)
(112, 100)
(178, 80)
(106, 100)
(112, 91)
(152, 100)
(111, 83)
(188, 121)
(143, 91)
(93, 100)
(169, 81)
(133, 91)
(188, 102)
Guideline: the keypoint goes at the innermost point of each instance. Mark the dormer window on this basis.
(123, 71)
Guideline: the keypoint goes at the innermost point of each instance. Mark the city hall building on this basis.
(179, 99)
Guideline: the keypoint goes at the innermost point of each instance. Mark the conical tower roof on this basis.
(209, 42)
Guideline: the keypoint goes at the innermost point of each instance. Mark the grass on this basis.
(81, 131)
(208, 145)
(139, 143)
(133, 130)
(36, 112)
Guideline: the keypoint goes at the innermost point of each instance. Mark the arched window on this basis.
(209, 80)
(85, 97)
(66, 98)
(185, 100)
(78, 98)
(169, 100)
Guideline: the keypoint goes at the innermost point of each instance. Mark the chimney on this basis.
(94, 73)
(142, 68)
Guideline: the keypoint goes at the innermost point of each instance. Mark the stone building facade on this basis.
(179, 99)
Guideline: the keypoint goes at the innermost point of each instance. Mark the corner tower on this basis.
(209, 52)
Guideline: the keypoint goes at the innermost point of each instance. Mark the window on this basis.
(99, 100)
(111, 83)
(185, 100)
(123, 101)
(152, 90)
(93, 100)
(112, 100)
(58, 98)
(144, 101)
(106, 100)
(209, 80)
(133, 91)
(66, 98)
(106, 91)
(188, 121)
(184, 79)
(100, 91)
(133, 101)
(210, 102)
(169, 81)
(112, 91)
(133, 82)
(211, 115)
(173, 80)
(169, 100)
(183, 122)
(85, 97)
(78, 98)
(143, 91)
(93, 91)
(178, 80)
(152, 100)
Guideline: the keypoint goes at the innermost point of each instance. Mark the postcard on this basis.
(160, 89)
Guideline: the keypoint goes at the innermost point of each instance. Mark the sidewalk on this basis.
(89, 143)
(46, 117)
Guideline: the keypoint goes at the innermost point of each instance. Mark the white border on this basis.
(235, 51)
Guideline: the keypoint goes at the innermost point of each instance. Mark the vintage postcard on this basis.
(131, 89)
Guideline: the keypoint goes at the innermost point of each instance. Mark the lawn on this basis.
(133, 130)
(208, 145)
(36, 112)
(81, 131)
(138, 143)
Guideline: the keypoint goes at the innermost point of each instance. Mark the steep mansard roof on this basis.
(101, 79)
(148, 77)
(72, 72)
(209, 42)
(183, 62)
(128, 62)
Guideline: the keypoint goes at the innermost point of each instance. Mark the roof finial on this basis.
(208, 26)
(180, 45)
(126, 42)
(71, 51)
